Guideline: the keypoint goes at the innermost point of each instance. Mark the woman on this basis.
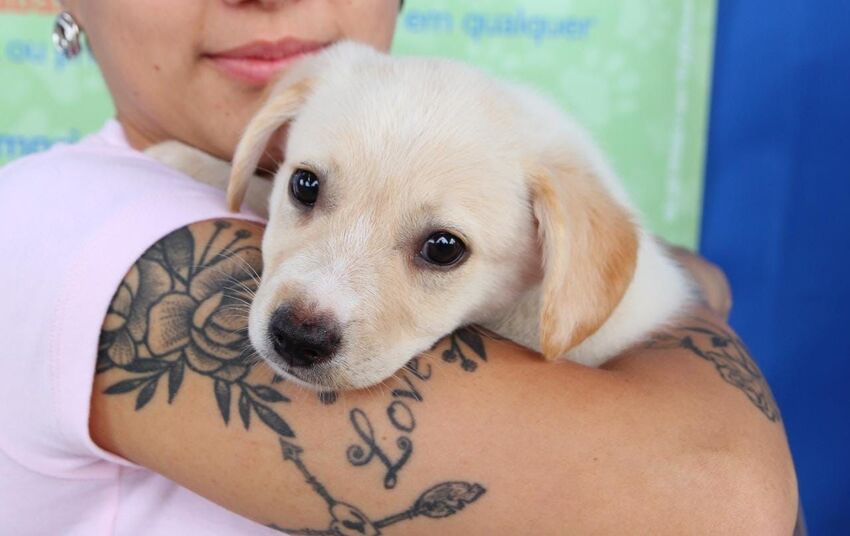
(117, 402)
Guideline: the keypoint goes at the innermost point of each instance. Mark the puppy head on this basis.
(397, 215)
(401, 212)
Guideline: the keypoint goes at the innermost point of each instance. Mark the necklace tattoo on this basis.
(443, 500)
(729, 356)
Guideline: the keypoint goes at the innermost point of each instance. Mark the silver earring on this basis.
(67, 35)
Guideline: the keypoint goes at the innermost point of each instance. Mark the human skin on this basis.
(679, 435)
(658, 441)
(154, 56)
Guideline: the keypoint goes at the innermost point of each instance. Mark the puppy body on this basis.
(658, 292)
(403, 147)
(658, 289)
(210, 170)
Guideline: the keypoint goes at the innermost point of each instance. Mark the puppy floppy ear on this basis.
(279, 109)
(589, 248)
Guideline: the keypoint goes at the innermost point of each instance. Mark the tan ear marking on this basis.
(277, 111)
(589, 246)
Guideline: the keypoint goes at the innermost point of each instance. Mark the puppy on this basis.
(419, 195)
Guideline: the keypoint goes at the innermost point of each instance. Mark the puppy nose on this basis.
(303, 340)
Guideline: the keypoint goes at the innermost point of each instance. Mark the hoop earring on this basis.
(67, 35)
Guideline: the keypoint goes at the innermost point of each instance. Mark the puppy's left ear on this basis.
(287, 98)
(589, 246)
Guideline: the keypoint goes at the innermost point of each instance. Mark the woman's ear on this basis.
(287, 98)
(589, 248)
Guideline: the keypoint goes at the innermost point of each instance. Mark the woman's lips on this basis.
(259, 62)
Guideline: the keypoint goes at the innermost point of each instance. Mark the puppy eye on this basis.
(442, 248)
(304, 186)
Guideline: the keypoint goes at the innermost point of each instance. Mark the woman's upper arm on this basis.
(476, 436)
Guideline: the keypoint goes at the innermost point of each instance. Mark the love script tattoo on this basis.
(182, 309)
(400, 414)
(729, 356)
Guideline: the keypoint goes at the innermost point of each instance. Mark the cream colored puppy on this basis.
(418, 196)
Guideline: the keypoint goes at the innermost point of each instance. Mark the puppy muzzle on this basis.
(303, 338)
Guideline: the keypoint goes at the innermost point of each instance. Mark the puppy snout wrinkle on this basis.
(303, 340)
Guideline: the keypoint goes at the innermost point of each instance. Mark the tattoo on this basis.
(183, 308)
(358, 456)
(729, 356)
(400, 414)
(400, 418)
(327, 397)
(443, 500)
(455, 352)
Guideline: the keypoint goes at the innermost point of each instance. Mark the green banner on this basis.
(636, 74)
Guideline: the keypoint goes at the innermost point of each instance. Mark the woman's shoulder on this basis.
(98, 205)
(100, 165)
(73, 221)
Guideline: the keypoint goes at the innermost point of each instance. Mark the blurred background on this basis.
(726, 119)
